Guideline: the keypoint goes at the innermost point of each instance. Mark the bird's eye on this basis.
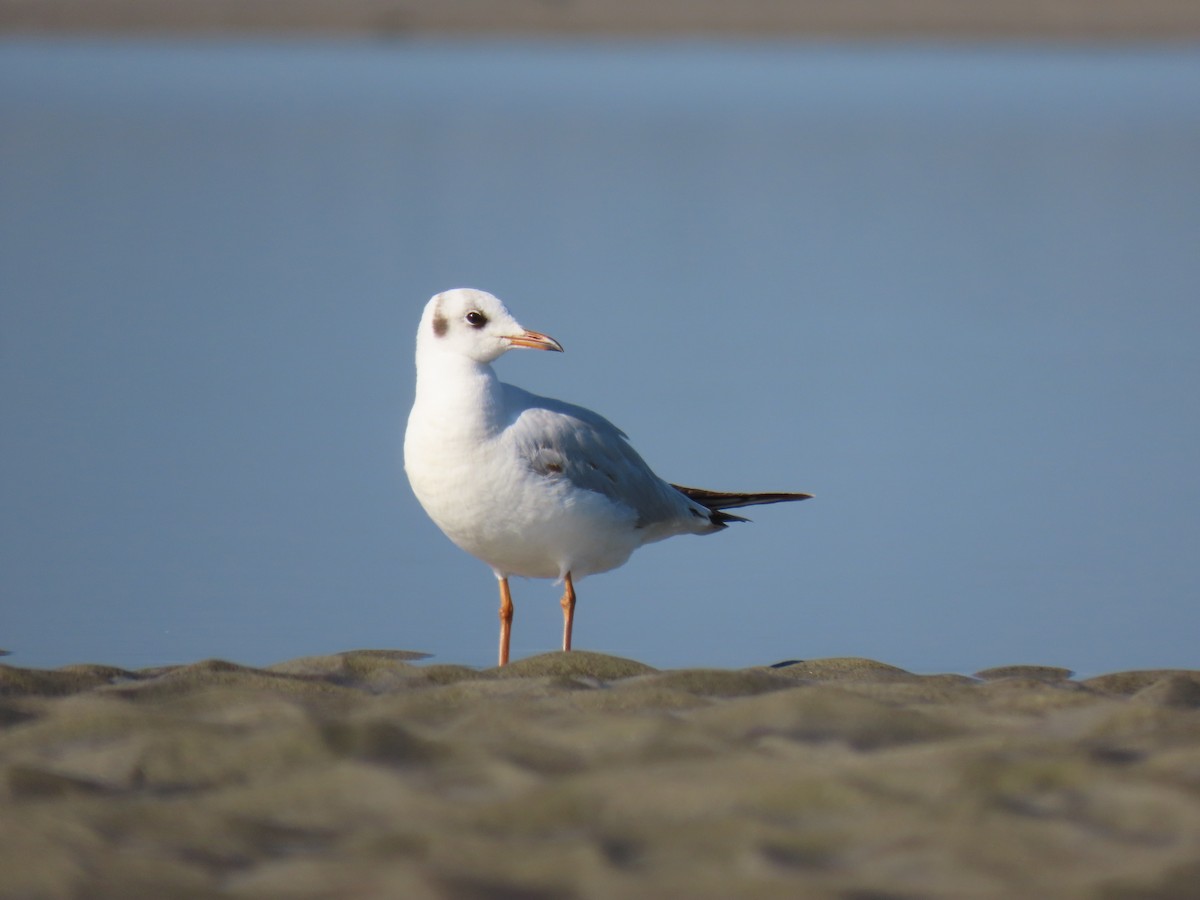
(476, 319)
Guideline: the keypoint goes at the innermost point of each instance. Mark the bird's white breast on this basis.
(468, 473)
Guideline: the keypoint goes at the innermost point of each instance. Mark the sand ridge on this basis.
(373, 774)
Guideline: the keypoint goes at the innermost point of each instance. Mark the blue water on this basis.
(952, 292)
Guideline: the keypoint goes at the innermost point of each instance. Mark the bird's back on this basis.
(568, 443)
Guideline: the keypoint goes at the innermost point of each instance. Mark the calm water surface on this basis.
(953, 293)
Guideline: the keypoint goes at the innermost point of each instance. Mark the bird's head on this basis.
(476, 325)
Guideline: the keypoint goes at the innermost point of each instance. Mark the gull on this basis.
(533, 486)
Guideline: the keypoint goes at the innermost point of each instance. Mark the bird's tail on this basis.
(718, 501)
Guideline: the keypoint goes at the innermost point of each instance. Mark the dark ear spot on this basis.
(439, 324)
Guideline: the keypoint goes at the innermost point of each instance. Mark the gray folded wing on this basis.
(562, 441)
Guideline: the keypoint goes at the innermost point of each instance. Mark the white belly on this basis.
(517, 521)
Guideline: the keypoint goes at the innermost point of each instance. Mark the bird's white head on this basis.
(476, 325)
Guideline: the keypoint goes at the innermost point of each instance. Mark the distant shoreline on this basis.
(1068, 20)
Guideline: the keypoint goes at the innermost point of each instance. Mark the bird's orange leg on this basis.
(506, 617)
(568, 607)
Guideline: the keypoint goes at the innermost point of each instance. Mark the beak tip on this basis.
(535, 340)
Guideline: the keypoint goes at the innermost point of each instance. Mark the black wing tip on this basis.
(786, 497)
(718, 500)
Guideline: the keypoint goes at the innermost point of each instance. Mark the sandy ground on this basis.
(1062, 19)
(367, 774)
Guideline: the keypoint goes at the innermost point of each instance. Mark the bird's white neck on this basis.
(457, 393)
